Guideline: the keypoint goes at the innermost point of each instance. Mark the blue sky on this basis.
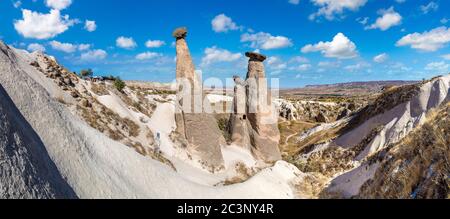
(306, 41)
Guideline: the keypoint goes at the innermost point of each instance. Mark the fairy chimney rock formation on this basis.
(257, 123)
(199, 129)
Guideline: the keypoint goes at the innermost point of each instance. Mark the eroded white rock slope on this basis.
(396, 124)
(67, 158)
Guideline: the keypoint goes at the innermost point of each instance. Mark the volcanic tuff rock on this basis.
(258, 122)
(26, 170)
(198, 128)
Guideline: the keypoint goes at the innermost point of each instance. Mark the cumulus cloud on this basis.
(93, 55)
(266, 41)
(389, 18)
(126, 42)
(222, 24)
(330, 8)
(381, 58)
(154, 43)
(340, 47)
(438, 67)
(64, 47)
(214, 55)
(42, 26)
(432, 6)
(446, 57)
(83, 47)
(36, 47)
(90, 26)
(429, 41)
(147, 55)
(58, 4)
(68, 47)
(275, 63)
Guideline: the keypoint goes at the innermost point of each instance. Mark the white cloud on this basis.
(389, 18)
(331, 8)
(94, 55)
(381, 58)
(222, 24)
(68, 47)
(363, 20)
(302, 67)
(42, 26)
(446, 57)
(329, 64)
(429, 41)
(58, 4)
(17, 4)
(298, 59)
(400, 1)
(64, 47)
(357, 67)
(341, 47)
(36, 47)
(266, 41)
(399, 67)
(444, 20)
(294, 2)
(147, 55)
(83, 47)
(432, 6)
(154, 43)
(214, 55)
(438, 67)
(276, 63)
(90, 26)
(126, 42)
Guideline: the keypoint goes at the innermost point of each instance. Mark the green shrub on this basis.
(86, 73)
(119, 84)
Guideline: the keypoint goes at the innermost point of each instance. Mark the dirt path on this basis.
(296, 128)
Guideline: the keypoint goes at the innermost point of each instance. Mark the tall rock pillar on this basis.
(259, 124)
(197, 127)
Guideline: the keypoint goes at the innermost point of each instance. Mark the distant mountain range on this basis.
(344, 89)
(364, 84)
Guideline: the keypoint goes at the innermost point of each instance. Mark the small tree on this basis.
(86, 73)
(119, 84)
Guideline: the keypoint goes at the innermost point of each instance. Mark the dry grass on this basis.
(223, 124)
(389, 99)
(311, 186)
(289, 130)
(99, 89)
(418, 166)
(243, 174)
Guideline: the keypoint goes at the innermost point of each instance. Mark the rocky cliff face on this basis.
(26, 170)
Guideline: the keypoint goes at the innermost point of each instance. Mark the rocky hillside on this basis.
(65, 137)
(87, 139)
(418, 166)
(24, 161)
(353, 154)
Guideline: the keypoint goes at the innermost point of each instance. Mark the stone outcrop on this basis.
(255, 122)
(198, 128)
